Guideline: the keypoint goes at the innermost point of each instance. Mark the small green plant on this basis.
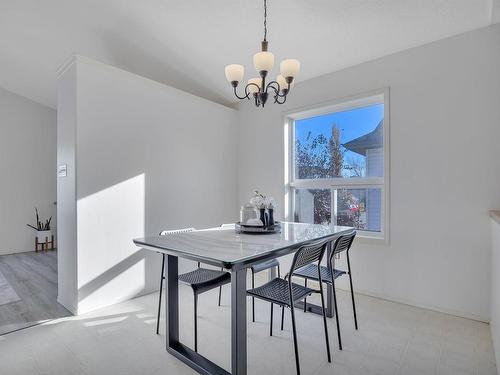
(40, 224)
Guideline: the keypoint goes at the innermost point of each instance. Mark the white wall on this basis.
(148, 157)
(495, 283)
(445, 167)
(27, 169)
(67, 293)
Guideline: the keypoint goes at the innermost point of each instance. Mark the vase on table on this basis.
(263, 217)
(270, 218)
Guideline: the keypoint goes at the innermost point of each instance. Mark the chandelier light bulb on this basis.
(263, 61)
(282, 82)
(234, 72)
(289, 68)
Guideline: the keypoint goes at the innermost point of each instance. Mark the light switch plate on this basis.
(62, 170)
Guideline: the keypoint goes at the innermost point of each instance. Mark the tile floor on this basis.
(392, 339)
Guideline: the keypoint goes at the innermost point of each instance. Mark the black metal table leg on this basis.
(238, 322)
(172, 300)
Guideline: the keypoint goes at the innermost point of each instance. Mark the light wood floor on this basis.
(34, 278)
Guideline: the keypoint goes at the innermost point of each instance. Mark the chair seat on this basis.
(203, 279)
(311, 272)
(277, 291)
(265, 265)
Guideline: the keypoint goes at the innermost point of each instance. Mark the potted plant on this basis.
(43, 231)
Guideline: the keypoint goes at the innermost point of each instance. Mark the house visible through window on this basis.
(337, 167)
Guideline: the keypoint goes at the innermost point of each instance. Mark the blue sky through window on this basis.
(352, 124)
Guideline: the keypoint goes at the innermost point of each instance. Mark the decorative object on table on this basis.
(266, 206)
(43, 233)
(254, 223)
(270, 216)
(263, 62)
(248, 213)
(263, 216)
(254, 229)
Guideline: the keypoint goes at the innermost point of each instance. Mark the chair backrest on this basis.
(342, 243)
(308, 254)
(227, 226)
(175, 231)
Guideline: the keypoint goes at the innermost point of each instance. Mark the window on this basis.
(337, 164)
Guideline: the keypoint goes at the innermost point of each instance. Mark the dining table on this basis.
(236, 252)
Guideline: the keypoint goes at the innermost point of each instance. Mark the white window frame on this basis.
(358, 101)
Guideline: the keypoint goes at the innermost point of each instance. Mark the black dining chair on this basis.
(200, 280)
(285, 293)
(256, 268)
(330, 273)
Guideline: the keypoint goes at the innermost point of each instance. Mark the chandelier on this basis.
(263, 62)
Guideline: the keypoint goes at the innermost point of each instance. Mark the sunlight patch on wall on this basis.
(110, 266)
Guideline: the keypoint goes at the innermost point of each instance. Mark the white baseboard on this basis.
(460, 314)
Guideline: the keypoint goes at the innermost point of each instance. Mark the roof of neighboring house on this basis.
(374, 139)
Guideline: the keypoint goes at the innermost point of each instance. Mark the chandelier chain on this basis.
(265, 20)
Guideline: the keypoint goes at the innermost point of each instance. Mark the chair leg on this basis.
(352, 291)
(283, 310)
(220, 289)
(305, 299)
(279, 272)
(323, 310)
(282, 316)
(195, 322)
(295, 344)
(271, 321)
(336, 313)
(253, 298)
(161, 292)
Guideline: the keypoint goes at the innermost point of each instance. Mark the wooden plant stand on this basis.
(45, 245)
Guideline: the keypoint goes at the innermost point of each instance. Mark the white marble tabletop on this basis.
(225, 247)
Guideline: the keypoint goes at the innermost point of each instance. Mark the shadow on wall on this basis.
(175, 71)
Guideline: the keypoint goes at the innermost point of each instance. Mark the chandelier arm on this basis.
(285, 92)
(241, 97)
(283, 95)
(276, 99)
(272, 85)
(251, 84)
(278, 89)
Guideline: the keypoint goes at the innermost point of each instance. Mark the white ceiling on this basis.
(187, 43)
